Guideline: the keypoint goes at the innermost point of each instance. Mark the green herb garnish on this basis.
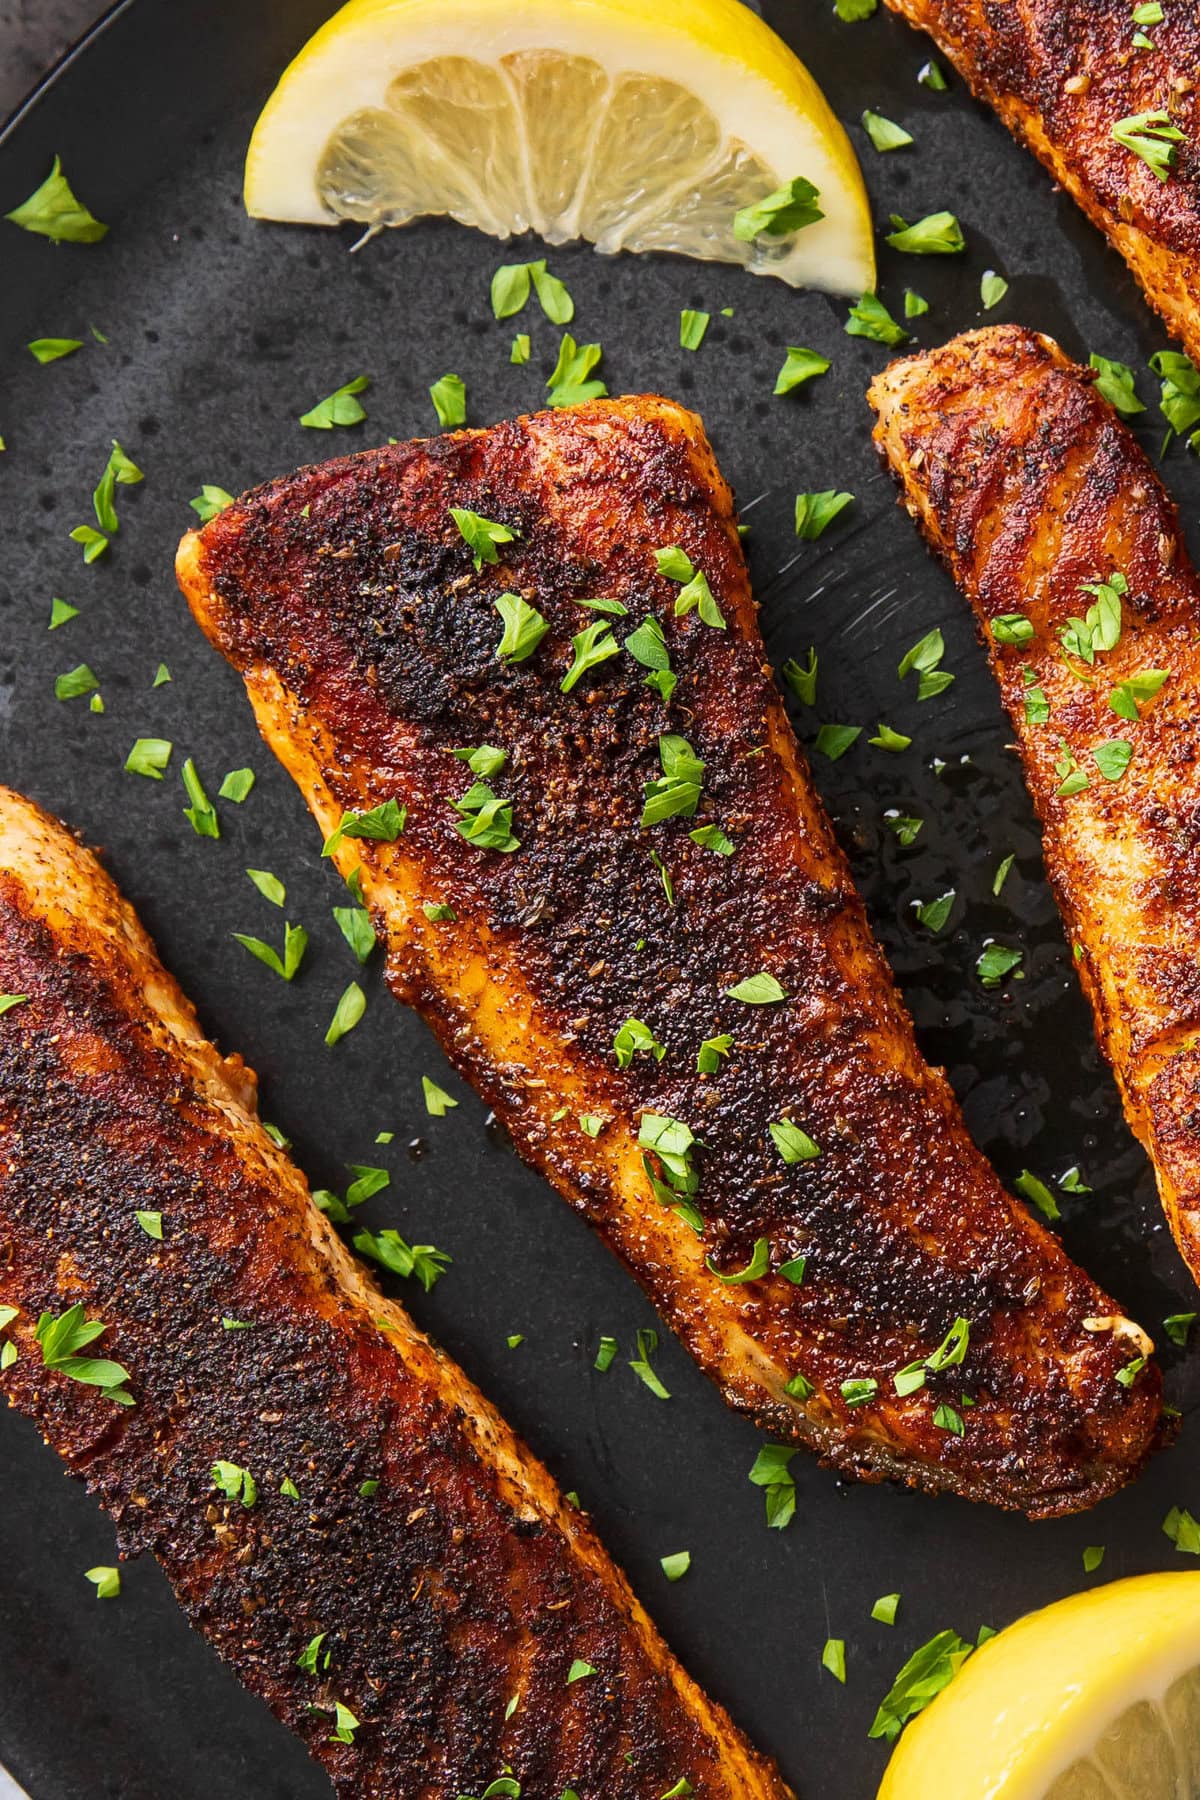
(788, 209)
(449, 396)
(338, 408)
(53, 211)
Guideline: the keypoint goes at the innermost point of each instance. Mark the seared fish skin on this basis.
(348, 599)
(1061, 74)
(464, 1580)
(1027, 485)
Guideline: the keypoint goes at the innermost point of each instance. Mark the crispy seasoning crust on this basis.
(1061, 74)
(1027, 485)
(348, 600)
(465, 1579)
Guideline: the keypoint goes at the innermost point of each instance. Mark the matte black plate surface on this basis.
(220, 332)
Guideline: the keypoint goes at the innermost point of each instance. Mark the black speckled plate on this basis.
(219, 333)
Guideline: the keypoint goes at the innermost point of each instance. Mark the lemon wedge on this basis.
(1095, 1698)
(633, 125)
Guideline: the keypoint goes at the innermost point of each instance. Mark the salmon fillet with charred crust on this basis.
(340, 1512)
(1063, 75)
(644, 947)
(1060, 535)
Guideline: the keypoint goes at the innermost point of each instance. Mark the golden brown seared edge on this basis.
(1028, 486)
(1061, 74)
(348, 599)
(464, 1582)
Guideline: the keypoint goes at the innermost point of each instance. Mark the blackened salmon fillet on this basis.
(340, 1512)
(1109, 104)
(628, 921)
(1063, 540)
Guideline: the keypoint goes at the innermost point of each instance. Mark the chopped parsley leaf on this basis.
(295, 943)
(647, 1344)
(778, 214)
(1033, 1189)
(884, 1609)
(354, 923)
(802, 679)
(870, 318)
(107, 1580)
(1178, 1327)
(200, 814)
(677, 792)
(61, 1339)
(149, 756)
(449, 396)
(939, 234)
(833, 1658)
(482, 535)
(485, 820)
(437, 1101)
(591, 646)
(634, 1037)
(1115, 383)
(346, 1014)
(1093, 1556)
(711, 837)
(571, 382)
(904, 827)
(524, 628)
(48, 350)
(933, 914)
(76, 682)
(793, 1145)
(338, 408)
(61, 611)
(692, 327)
(1183, 1531)
(151, 1223)
(675, 1567)
(758, 990)
(930, 75)
(708, 1057)
(884, 133)
(268, 885)
(755, 1269)
(53, 211)
(236, 786)
(382, 824)
(992, 289)
(833, 741)
(770, 1471)
(914, 304)
(1152, 137)
(389, 1249)
(210, 501)
(511, 286)
(1113, 758)
(887, 739)
(1002, 874)
(1179, 398)
(800, 365)
(927, 1671)
(1125, 699)
(995, 962)
(815, 513)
